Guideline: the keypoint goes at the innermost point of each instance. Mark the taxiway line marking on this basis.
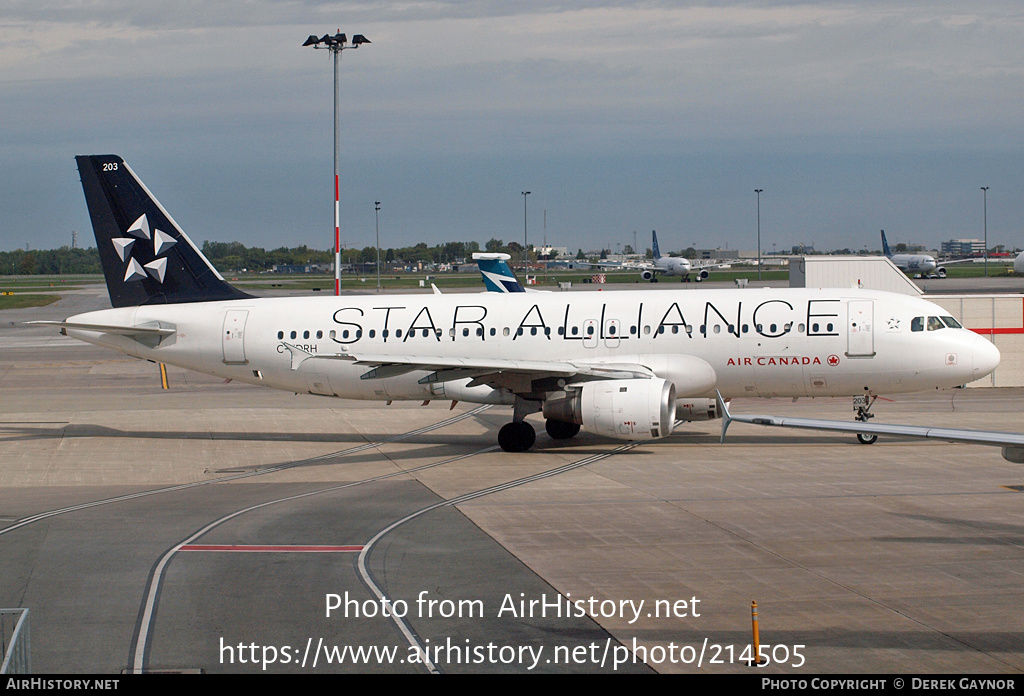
(272, 548)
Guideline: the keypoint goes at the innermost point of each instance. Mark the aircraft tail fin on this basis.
(146, 257)
(885, 245)
(654, 237)
(498, 275)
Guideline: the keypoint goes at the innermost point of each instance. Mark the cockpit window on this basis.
(917, 324)
(934, 324)
(952, 323)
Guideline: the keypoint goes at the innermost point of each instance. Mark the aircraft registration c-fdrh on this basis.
(624, 365)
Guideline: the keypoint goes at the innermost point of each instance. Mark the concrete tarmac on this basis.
(899, 557)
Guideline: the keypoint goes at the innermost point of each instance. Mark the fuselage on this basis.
(914, 263)
(758, 342)
(672, 265)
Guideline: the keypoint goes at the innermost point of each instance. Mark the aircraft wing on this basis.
(497, 371)
(1012, 443)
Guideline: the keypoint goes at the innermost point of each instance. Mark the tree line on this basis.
(235, 256)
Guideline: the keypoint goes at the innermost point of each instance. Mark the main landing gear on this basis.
(560, 430)
(519, 436)
(862, 405)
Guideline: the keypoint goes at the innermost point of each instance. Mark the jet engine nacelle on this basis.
(697, 409)
(941, 272)
(701, 275)
(646, 275)
(624, 409)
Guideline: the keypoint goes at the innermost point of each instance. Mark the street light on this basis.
(336, 44)
(758, 192)
(984, 198)
(376, 214)
(526, 254)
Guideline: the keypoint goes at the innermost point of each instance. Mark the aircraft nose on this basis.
(986, 357)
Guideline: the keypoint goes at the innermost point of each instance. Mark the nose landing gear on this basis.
(862, 405)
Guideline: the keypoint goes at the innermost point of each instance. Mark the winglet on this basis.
(299, 355)
(724, 410)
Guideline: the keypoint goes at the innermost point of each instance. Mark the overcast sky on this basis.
(619, 117)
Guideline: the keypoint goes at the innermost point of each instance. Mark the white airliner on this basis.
(664, 265)
(624, 364)
(923, 265)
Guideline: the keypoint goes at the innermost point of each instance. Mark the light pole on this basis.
(984, 217)
(526, 254)
(758, 192)
(376, 214)
(336, 44)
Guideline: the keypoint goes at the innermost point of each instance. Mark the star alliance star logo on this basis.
(161, 242)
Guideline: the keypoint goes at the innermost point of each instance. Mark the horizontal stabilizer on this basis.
(130, 331)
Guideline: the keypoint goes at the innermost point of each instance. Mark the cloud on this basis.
(227, 88)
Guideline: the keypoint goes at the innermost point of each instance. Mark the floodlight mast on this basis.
(336, 44)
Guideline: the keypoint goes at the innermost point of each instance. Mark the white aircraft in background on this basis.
(624, 365)
(664, 265)
(923, 265)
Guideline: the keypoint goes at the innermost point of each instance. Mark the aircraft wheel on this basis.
(517, 436)
(865, 439)
(560, 430)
